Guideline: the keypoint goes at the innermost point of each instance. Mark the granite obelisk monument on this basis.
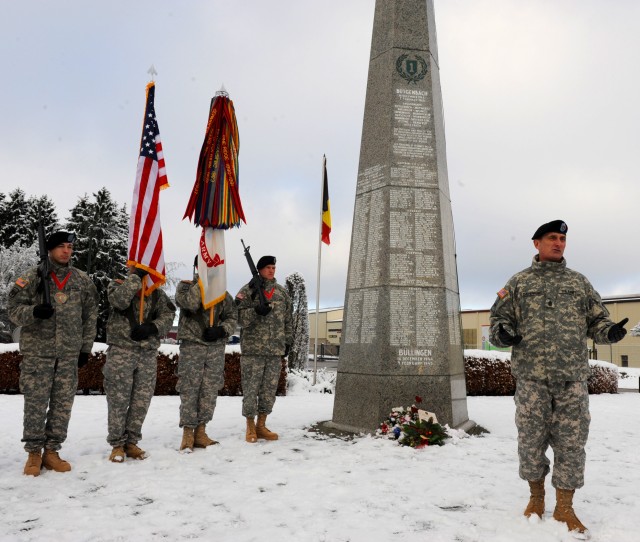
(401, 334)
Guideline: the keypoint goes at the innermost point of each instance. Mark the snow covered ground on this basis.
(306, 487)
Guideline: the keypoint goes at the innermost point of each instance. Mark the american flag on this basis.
(145, 233)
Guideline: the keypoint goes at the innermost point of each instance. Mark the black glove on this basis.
(506, 337)
(140, 272)
(83, 359)
(287, 348)
(43, 311)
(617, 331)
(143, 331)
(263, 310)
(214, 333)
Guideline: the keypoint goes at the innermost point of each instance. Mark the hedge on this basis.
(489, 373)
(90, 376)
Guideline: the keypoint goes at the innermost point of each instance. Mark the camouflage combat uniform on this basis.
(50, 349)
(201, 364)
(131, 368)
(554, 309)
(263, 343)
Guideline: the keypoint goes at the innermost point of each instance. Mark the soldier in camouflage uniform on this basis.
(201, 364)
(55, 340)
(131, 368)
(545, 313)
(266, 337)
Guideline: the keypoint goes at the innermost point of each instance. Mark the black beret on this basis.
(555, 226)
(266, 260)
(59, 237)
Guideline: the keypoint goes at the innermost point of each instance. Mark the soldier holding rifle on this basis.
(57, 307)
(265, 315)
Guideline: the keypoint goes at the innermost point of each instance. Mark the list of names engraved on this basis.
(362, 316)
(371, 178)
(414, 317)
(413, 139)
(366, 247)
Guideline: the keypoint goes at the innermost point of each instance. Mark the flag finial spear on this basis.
(222, 92)
(152, 71)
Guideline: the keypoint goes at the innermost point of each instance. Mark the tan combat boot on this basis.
(51, 461)
(131, 450)
(117, 455)
(564, 511)
(251, 430)
(186, 445)
(34, 464)
(201, 439)
(536, 500)
(262, 431)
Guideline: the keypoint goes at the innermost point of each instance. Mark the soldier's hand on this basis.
(506, 337)
(263, 310)
(617, 331)
(143, 331)
(43, 311)
(83, 359)
(214, 333)
(140, 272)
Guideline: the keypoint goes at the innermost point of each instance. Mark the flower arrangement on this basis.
(409, 428)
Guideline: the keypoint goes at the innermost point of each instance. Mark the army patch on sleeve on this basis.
(503, 293)
(240, 295)
(22, 282)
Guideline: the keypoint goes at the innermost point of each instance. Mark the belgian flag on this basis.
(326, 207)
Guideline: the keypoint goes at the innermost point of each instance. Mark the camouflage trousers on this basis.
(552, 414)
(200, 376)
(49, 387)
(129, 382)
(260, 376)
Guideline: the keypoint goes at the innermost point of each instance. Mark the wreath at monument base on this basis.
(412, 427)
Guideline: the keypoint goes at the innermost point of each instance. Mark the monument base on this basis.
(347, 432)
(364, 401)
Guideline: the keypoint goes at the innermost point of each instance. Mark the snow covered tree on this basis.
(42, 206)
(14, 261)
(19, 218)
(100, 249)
(14, 225)
(299, 352)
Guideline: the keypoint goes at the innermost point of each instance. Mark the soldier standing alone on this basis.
(55, 340)
(266, 337)
(201, 364)
(545, 313)
(131, 368)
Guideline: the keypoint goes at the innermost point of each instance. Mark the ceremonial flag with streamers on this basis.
(215, 199)
(215, 204)
(326, 207)
(145, 233)
(212, 267)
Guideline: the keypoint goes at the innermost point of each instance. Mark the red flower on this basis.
(384, 428)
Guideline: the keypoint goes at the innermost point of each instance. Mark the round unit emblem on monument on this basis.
(411, 67)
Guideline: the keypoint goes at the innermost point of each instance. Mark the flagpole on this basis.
(315, 345)
(141, 315)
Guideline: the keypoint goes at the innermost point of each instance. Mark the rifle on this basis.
(43, 264)
(257, 282)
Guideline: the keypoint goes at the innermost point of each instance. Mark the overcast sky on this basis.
(540, 99)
